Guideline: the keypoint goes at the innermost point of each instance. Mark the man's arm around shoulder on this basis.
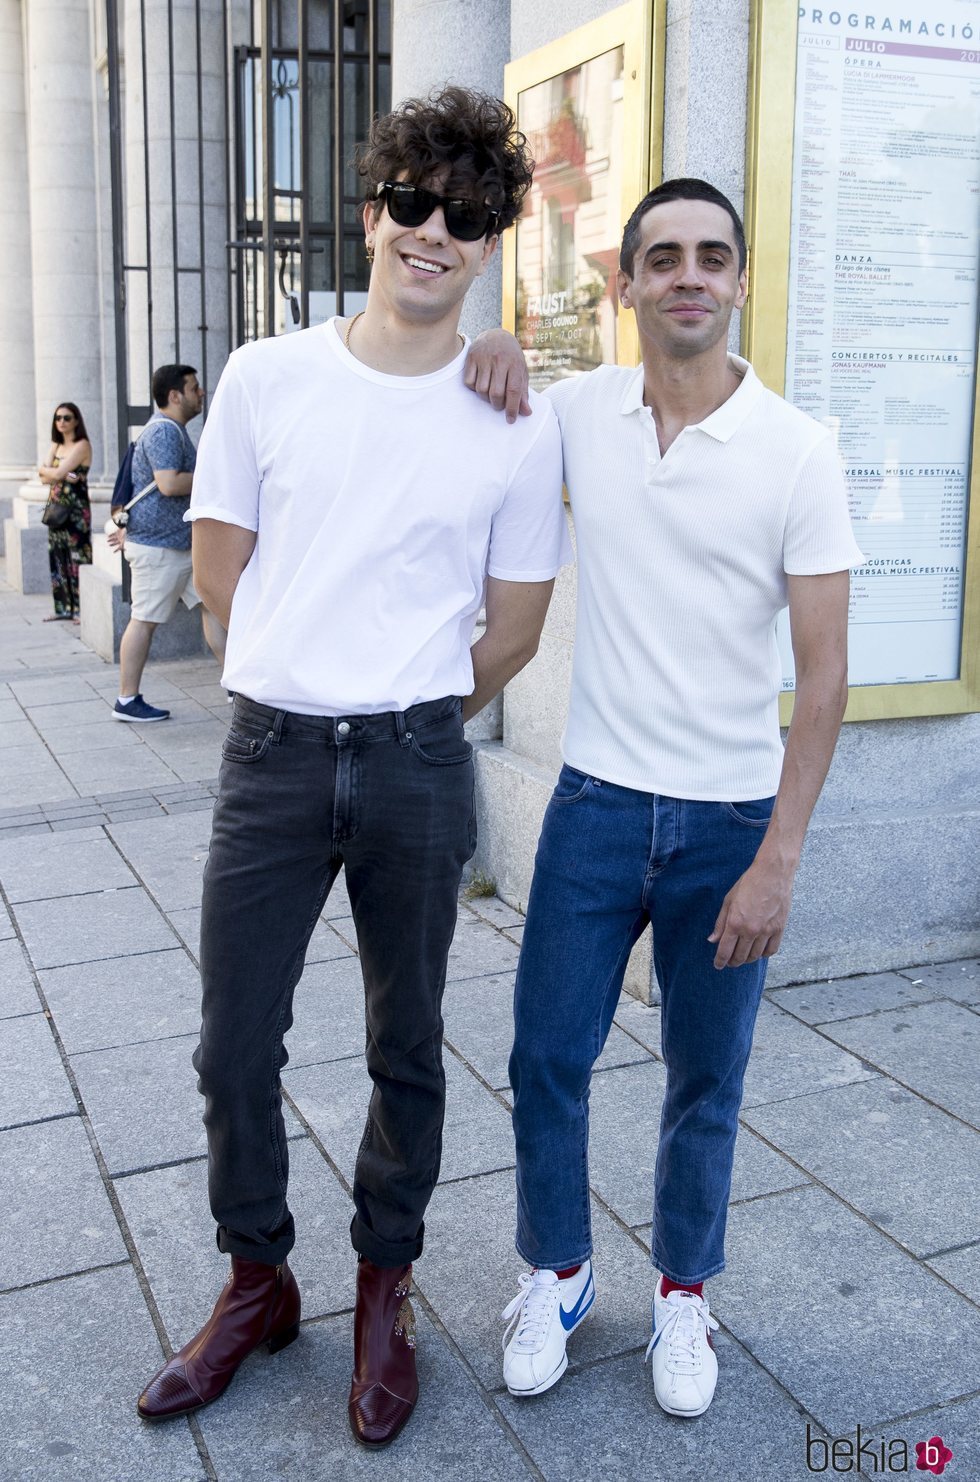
(754, 912)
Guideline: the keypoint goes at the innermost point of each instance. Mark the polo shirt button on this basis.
(343, 728)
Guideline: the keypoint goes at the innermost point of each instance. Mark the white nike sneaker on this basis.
(539, 1321)
(685, 1369)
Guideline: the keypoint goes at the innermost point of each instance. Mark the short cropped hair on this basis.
(167, 378)
(678, 190)
(472, 134)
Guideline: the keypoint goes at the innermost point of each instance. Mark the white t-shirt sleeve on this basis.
(818, 537)
(227, 477)
(529, 536)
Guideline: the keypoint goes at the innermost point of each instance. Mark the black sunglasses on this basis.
(410, 205)
(64, 416)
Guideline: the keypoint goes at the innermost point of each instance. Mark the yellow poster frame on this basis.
(768, 196)
(641, 31)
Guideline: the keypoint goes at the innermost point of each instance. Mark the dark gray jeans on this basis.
(389, 797)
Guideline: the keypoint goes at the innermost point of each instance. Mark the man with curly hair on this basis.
(354, 508)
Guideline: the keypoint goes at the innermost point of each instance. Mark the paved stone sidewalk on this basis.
(853, 1291)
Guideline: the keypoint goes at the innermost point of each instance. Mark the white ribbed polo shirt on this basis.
(682, 565)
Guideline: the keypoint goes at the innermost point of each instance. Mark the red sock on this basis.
(667, 1286)
(568, 1271)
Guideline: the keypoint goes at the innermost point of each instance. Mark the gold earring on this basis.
(369, 251)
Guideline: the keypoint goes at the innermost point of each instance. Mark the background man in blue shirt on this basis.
(157, 541)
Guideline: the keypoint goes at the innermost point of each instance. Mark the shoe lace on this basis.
(683, 1330)
(528, 1315)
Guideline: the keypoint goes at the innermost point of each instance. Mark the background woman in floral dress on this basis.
(66, 473)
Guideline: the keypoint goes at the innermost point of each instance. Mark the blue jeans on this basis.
(610, 859)
(390, 797)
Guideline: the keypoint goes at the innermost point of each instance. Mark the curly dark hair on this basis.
(472, 133)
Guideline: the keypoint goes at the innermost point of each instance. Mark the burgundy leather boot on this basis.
(258, 1304)
(384, 1385)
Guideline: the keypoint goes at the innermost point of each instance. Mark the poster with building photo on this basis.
(882, 328)
(568, 236)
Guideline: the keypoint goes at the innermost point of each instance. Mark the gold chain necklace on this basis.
(359, 314)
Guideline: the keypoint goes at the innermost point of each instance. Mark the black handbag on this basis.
(56, 515)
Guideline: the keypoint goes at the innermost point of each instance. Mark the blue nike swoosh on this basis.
(569, 1319)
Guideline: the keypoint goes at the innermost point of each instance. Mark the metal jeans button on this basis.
(343, 728)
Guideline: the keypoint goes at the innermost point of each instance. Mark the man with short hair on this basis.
(703, 505)
(156, 539)
(355, 506)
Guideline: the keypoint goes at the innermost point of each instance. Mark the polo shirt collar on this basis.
(721, 424)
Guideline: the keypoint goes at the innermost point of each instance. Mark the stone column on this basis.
(707, 69)
(18, 453)
(64, 249)
(461, 41)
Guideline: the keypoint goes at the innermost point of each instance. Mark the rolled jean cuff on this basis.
(269, 1253)
(679, 1280)
(387, 1253)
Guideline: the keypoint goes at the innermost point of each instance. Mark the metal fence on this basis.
(235, 205)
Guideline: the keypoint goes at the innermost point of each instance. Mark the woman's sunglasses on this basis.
(64, 417)
(410, 205)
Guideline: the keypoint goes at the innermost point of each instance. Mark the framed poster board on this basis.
(863, 220)
(595, 129)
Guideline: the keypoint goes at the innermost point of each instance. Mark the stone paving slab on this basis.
(962, 1268)
(94, 772)
(89, 928)
(57, 1215)
(328, 1013)
(850, 998)
(605, 1423)
(479, 1019)
(71, 713)
(33, 1084)
(124, 1000)
(910, 1342)
(959, 980)
(42, 869)
(479, 950)
(169, 1219)
(934, 1048)
(469, 1271)
(789, 1059)
(51, 691)
(16, 733)
(623, 1150)
(452, 1436)
(334, 1100)
(144, 1104)
(168, 855)
(830, 1134)
(18, 994)
(84, 1348)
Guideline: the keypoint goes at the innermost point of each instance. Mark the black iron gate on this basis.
(235, 208)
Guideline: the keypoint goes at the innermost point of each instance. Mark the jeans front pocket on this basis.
(755, 813)
(572, 785)
(242, 745)
(442, 743)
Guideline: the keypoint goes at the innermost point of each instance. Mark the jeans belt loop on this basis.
(403, 728)
(277, 724)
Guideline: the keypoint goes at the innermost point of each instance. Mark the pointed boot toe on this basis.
(258, 1304)
(384, 1386)
(168, 1393)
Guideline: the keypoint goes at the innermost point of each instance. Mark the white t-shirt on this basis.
(682, 565)
(381, 504)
